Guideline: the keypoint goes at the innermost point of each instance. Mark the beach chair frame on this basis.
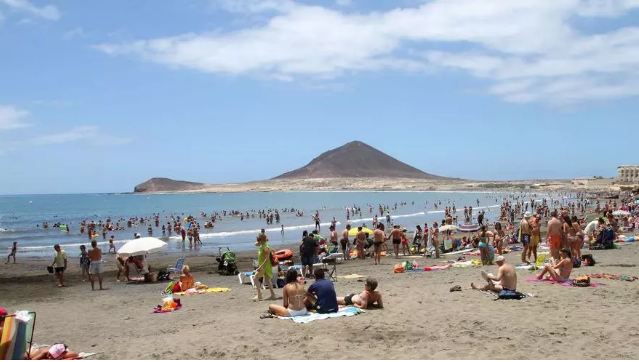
(30, 339)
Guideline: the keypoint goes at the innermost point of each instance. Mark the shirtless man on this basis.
(333, 237)
(95, 268)
(535, 237)
(559, 271)
(506, 279)
(367, 299)
(360, 240)
(525, 232)
(378, 239)
(555, 228)
(396, 236)
(345, 243)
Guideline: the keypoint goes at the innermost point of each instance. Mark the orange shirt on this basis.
(186, 281)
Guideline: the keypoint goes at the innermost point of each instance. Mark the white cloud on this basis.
(87, 134)
(12, 118)
(528, 50)
(48, 12)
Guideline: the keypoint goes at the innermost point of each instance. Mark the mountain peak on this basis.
(356, 159)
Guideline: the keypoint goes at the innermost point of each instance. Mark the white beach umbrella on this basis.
(469, 228)
(448, 227)
(620, 213)
(141, 246)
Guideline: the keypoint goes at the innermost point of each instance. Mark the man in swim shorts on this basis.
(554, 235)
(59, 264)
(378, 240)
(396, 236)
(369, 298)
(95, 268)
(506, 279)
(345, 243)
(535, 237)
(524, 232)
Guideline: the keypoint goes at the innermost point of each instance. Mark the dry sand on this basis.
(422, 319)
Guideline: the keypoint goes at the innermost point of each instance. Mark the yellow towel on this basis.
(205, 291)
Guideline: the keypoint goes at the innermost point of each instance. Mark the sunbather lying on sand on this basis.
(57, 351)
(294, 296)
(561, 270)
(506, 279)
(369, 298)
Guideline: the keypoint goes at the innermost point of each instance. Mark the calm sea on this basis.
(21, 217)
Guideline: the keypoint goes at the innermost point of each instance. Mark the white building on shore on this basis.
(628, 174)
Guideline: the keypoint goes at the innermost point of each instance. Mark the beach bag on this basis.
(581, 281)
(510, 294)
(399, 268)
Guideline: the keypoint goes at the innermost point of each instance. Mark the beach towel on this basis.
(567, 283)
(203, 291)
(158, 309)
(343, 312)
(608, 276)
(352, 276)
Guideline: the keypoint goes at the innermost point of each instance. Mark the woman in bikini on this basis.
(560, 271)
(578, 240)
(293, 297)
(499, 238)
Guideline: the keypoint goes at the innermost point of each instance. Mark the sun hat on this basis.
(57, 350)
(500, 258)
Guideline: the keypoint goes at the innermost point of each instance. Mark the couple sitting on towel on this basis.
(321, 296)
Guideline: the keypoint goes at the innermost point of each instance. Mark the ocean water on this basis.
(21, 216)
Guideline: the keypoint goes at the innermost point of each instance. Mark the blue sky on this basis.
(99, 96)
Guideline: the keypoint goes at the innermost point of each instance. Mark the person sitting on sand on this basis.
(559, 271)
(138, 262)
(321, 295)
(369, 298)
(187, 281)
(506, 279)
(293, 297)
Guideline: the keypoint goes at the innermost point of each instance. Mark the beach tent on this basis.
(354, 231)
(141, 246)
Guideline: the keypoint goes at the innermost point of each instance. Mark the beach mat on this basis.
(203, 291)
(567, 283)
(344, 312)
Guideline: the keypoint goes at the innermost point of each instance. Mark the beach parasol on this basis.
(354, 231)
(448, 228)
(620, 213)
(469, 228)
(141, 246)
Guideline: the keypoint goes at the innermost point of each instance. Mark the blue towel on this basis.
(344, 312)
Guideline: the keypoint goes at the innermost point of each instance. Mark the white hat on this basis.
(500, 258)
(527, 214)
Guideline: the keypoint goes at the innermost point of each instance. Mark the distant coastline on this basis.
(393, 185)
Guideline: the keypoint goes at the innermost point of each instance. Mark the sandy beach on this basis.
(421, 318)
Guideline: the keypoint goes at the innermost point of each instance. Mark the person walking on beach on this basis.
(360, 240)
(12, 253)
(111, 245)
(59, 264)
(95, 268)
(264, 269)
(345, 243)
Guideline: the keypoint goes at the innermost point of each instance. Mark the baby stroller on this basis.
(226, 262)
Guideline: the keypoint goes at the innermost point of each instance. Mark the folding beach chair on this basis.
(179, 264)
(17, 336)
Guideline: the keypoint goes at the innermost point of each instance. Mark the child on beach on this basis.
(84, 262)
(369, 298)
(111, 245)
(12, 253)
